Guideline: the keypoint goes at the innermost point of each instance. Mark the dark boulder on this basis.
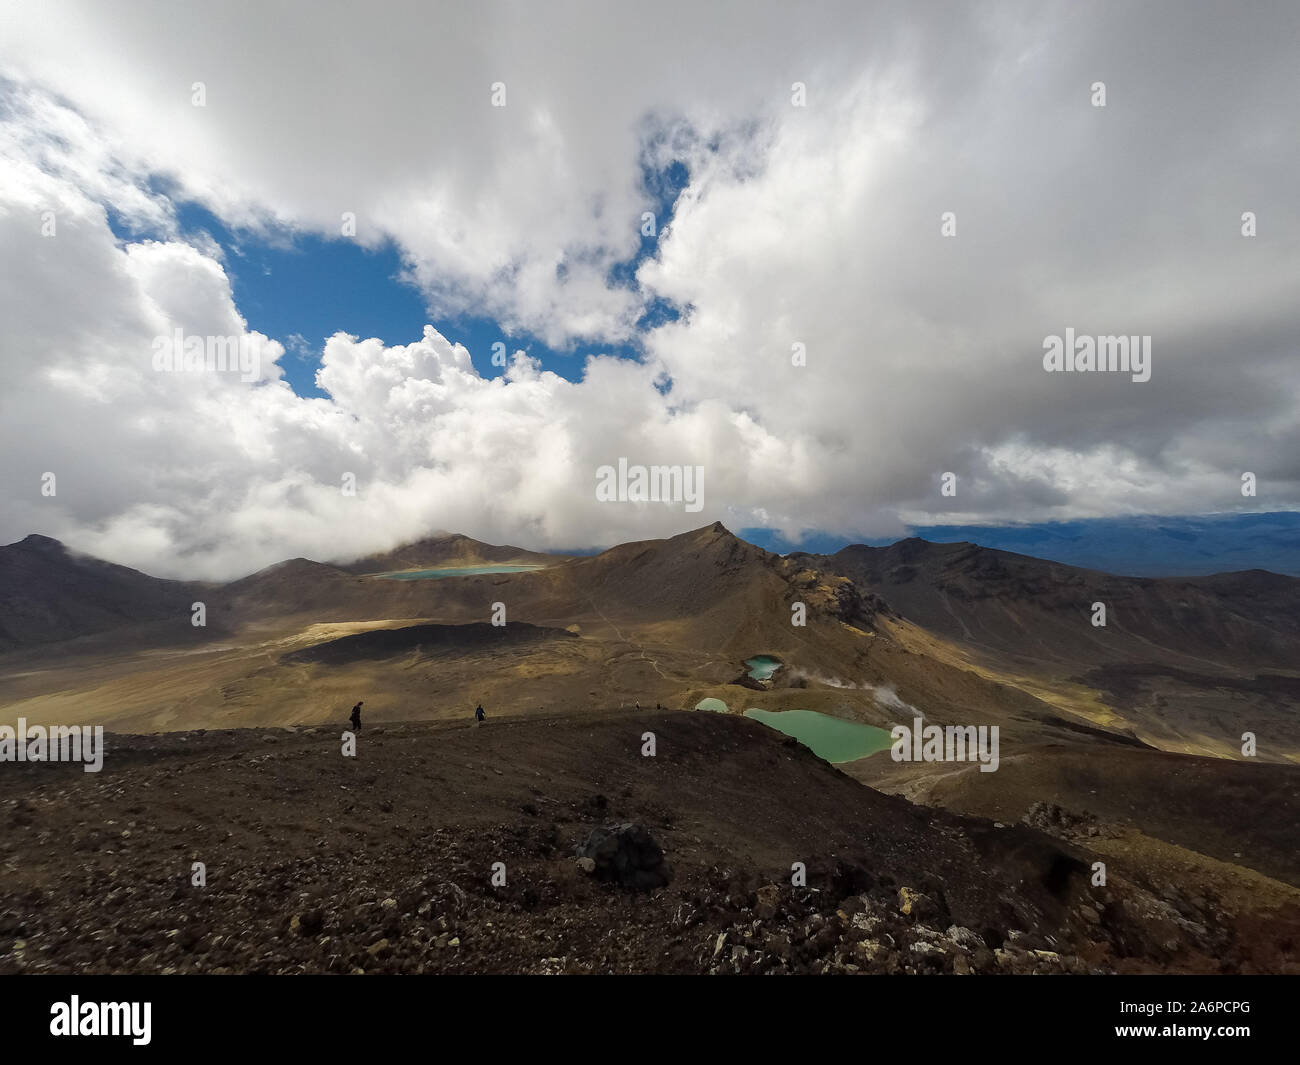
(627, 855)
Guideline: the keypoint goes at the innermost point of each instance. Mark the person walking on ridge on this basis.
(356, 717)
(478, 714)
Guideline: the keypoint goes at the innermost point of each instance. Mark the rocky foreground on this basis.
(555, 845)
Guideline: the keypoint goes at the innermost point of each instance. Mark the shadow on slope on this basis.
(425, 639)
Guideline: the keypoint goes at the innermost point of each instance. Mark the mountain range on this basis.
(1129, 737)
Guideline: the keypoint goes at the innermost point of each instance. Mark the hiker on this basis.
(478, 713)
(356, 717)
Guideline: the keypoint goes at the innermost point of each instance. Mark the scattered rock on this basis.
(628, 855)
(912, 903)
(768, 899)
(965, 939)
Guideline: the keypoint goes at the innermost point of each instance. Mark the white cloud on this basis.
(816, 225)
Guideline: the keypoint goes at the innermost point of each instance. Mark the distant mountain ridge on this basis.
(451, 549)
(1030, 608)
(961, 631)
(1005, 602)
(49, 593)
(1138, 546)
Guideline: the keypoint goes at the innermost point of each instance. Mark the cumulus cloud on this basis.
(816, 226)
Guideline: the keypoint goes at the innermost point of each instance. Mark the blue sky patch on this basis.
(302, 288)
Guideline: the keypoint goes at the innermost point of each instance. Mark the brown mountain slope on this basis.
(709, 583)
(664, 621)
(1189, 664)
(1236, 812)
(49, 593)
(383, 862)
(448, 550)
(670, 621)
(1038, 611)
(294, 586)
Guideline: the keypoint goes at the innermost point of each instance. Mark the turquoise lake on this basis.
(828, 737)
(761, 667)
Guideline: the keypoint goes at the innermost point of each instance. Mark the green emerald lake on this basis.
(761, 667)
(828, 737)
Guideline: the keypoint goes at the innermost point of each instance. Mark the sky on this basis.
(1143, 546)
(814, 251)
